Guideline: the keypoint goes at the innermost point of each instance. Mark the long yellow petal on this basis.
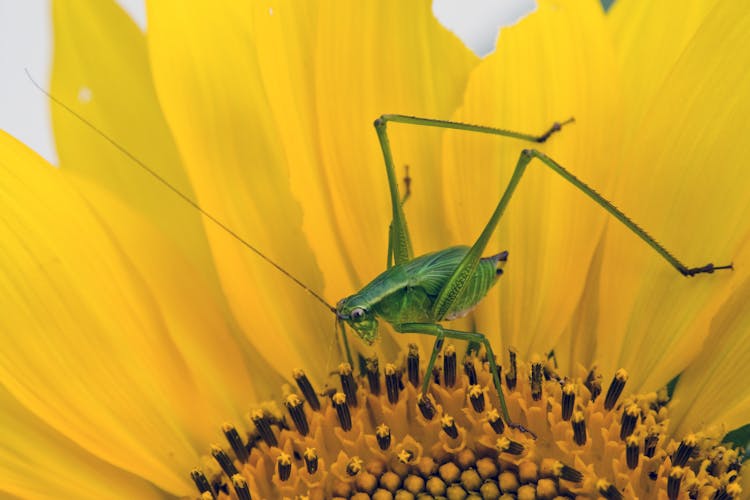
(553, 65)
(207, 78)
(37, 462)
(685, 181)
(713, 389)
(396, 59)
(101, 70)
(650, 37)
(98, 345)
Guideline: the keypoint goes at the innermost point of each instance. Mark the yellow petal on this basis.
(91, 344)
(714, 389)
(374, 58)
(646, 49)
(226, 372)
(552, 65)
(685, 182)
(271, 123)
(207, 79)
(37, 462)
(101, 70)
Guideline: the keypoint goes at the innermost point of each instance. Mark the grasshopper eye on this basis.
(357, 314)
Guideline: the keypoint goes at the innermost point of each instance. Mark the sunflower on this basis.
(134, 328)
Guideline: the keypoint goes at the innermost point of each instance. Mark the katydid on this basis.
(415, 295)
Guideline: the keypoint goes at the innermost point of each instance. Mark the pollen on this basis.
(379, 437)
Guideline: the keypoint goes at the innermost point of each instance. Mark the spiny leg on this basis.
(466, 268)
(399, 241)
(528, 154)
(441, 334)
(468, 127)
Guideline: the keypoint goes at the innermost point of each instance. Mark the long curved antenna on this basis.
(179, 193)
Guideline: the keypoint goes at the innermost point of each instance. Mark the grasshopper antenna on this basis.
(179, 193)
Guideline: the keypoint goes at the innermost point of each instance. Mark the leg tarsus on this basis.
(707, 269)
(521, 428)
(528, 154)
(556, 127)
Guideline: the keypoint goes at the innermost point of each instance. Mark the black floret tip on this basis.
(476, 397)
(608, 491)
(235, 442)
(536, 381)
(241, 487)
(632, 452)
(311, 460)
(426, 407)
(497, 424)
(224, 461)
(684, 451)
(284, 466)
(306, 389)
(448, 425)
(593, 384)
(568, 473)
(511, 378)
(505, 445)
(649, 445)
(449, 365)
(200, 480)
(342, 410)
(412, 364)
(615, 389)
(263, 424)
(383, 436)
(579, 428)
(568, 401)
(392, 383)
(354, 466)
(674, 481)
(629, 420)
(470, 371)
(348, 384)
(296, 411)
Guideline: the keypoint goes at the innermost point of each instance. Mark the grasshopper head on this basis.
(359, 318)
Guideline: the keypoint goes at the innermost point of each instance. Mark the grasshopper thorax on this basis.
(359, 317)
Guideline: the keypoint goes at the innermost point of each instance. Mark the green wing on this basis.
(431, 271)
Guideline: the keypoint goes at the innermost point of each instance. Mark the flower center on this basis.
(378, 438)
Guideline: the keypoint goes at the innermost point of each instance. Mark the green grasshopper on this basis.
(414, 295)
